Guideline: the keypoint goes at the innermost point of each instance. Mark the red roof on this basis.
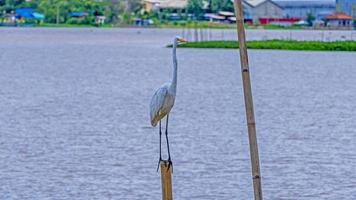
(339, 15)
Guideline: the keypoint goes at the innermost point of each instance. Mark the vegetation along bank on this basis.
(278, 45)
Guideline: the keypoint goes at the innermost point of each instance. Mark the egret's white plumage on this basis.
(161, 103)
(163, 99)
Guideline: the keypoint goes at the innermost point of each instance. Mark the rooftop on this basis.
(254, 3)
(304, 3)
(227, 14)
(170, 3)
(339, 16)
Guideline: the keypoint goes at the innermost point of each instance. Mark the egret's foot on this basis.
(170, 164)
(159, 163)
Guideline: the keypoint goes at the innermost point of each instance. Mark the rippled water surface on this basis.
(74, 118)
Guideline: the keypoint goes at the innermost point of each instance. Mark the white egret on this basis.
(163, 101)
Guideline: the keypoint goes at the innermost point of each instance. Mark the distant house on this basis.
(347, 6)
(228, 16)
(150, 5)
(100, 19)
(173, 5)
(339, 19)
(214, 18)
(28, 13)
(301, 8)
(222, 16)
(8, 19)
(78, 14)
(24, 13)
(256, 9)
(160, 5)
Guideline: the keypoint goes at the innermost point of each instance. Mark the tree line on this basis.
(115, 11)
(58, 11)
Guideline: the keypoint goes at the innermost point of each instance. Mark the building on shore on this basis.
(279, 12)
(150, 5)
(174, 9)
(222, 17)
(339, 20)
(347, 6)
(301, 8)
(256, 9)
(174, 6)
(23, 14)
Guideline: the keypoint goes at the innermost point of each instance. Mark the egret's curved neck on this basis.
(175, 65)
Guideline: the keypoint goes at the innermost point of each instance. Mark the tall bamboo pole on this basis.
(166, 180)
(256, 177)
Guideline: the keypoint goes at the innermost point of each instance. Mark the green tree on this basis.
(310, 19)
(54, 10)
(58, 11)
(121, 11)
(195, 7)
(112, 11)
(221, 5)
(8, 6)
(133, 5)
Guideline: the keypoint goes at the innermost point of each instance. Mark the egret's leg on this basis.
(160, 142)
(169, 153)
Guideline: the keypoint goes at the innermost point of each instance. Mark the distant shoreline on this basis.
(199, 25)
(277, 45)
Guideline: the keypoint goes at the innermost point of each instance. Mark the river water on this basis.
(74, 118)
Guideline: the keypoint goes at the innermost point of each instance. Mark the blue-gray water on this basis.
(74, 120)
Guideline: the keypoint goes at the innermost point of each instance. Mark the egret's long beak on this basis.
(182, 40)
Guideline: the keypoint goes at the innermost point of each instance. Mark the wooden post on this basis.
(196, 39)
(256, 176)
(57, 16)
(201, 34)
(166, 179)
